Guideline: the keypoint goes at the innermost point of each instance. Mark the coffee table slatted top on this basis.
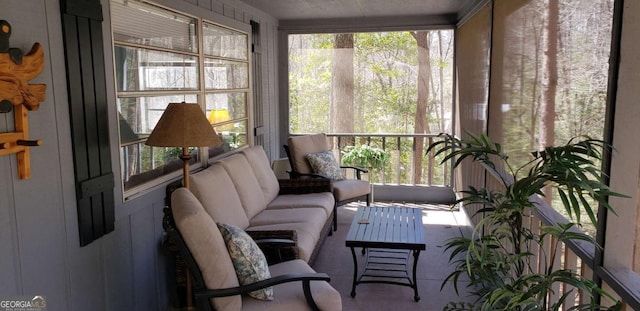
(394, 227)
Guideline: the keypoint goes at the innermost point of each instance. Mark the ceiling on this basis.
(339, 9)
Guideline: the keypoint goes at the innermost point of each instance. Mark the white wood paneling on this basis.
(10, 260)
(86, 275)
(119, 267)
(144, 260)
(205, 4)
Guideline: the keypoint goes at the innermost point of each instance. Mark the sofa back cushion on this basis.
(246, 184)
(300, 146)
(215, 190)
(207, 246)
(265, 175)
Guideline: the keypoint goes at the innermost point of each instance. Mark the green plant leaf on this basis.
(498, 256)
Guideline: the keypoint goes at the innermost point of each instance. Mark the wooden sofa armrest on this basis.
(275, 242)
(256, 235)
(304, 278)
(277, 245)
(305, 185)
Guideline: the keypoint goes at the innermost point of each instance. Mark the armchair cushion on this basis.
(324, 163)
(299, 146)
(248, 260)
(350, 188)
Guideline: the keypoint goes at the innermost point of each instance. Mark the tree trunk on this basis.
(441, 84)
(550, 82)
(342, 85)
(421, 126)
(535, 107)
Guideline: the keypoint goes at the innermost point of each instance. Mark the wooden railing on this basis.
(402, 150)
(575, 255)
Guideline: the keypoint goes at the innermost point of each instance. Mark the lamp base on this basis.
(186, 159)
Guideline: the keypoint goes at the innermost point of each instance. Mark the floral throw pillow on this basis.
(248, 260)
(325, 163)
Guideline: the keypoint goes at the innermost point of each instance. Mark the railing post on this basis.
(430, 160)
(384, 147)
(398, 161)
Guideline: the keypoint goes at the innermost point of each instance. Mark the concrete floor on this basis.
(440, 224)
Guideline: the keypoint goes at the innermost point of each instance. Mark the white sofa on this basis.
(242, 190)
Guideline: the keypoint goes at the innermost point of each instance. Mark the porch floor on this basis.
(440, 224)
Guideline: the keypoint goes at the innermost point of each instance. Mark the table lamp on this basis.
(183, 125)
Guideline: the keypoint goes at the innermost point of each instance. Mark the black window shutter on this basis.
(82, 32)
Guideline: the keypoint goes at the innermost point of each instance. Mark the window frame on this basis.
(201, 91)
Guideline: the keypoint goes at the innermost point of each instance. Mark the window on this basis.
(370, 82)
(162, 56)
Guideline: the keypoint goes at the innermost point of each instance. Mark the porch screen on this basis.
(549, 72)
(473, 49)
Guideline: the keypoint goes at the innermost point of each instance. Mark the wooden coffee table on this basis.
(388, 235)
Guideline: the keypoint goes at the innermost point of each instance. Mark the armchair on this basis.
(215, 285)
(345, 190)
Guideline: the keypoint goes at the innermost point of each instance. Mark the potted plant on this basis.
(371, 158)
(498, 257)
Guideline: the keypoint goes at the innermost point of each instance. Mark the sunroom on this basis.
(389, 75)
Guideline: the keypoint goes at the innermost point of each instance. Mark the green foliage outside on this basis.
(365, 156)
(398, 161)
(385, 86)
(499, 257)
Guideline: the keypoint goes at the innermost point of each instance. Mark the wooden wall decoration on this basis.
(16, 69)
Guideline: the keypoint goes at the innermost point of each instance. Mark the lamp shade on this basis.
(183, 125)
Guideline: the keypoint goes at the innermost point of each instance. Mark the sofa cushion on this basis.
(246, 184)
(248, 260)
(324, 163)
(350, 188)
(265, 175)
(312, 216)
(323, 200)
(300, 146)
(215, 190)
(308, 236)
(207, 246)
(289, 296)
